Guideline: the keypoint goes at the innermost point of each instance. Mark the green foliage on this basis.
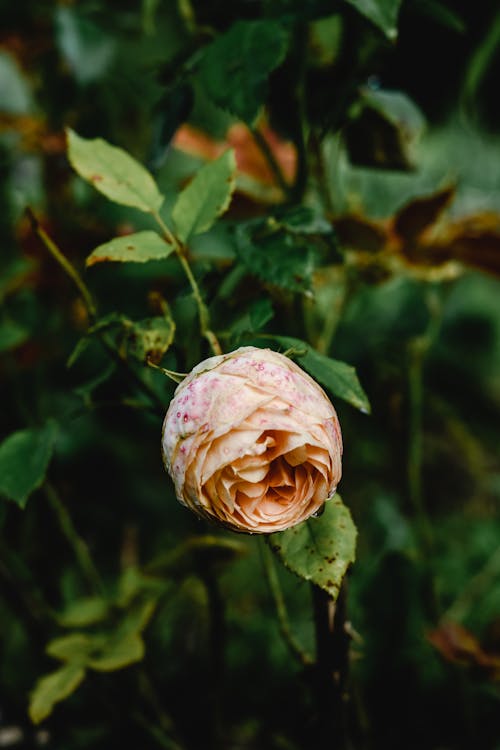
(234, 69)
(84, 612)
(24, 458)
(278, 258)
(321, 549)
(383, 13)
(52, 689)
(113, 172)
(338, 377)
(139, 247)
(12, 334)
(206, 197)
(306, 208)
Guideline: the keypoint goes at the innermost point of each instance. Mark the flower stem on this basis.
(203, 313)
(284, 624)
(77, 544)
(332, 662)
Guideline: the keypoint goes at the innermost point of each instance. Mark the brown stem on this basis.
(332, 661)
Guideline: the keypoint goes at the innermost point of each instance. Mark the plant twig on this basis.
(72, 272)
(177, 377)
(284, 624)
(65, 264)
(77, 544)
(203, 313)
(274, 165)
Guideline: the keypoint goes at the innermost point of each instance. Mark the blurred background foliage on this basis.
(366, 220)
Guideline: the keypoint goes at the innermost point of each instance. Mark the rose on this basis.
(252, 442)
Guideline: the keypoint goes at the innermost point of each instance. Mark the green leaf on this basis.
(118, 653)
(87, 51)
(206, 197)
(149, 339)
(302, 220)
(338, 377)
(113, 172)
(52, 689)
(84, 612)
(75, 648)
(132, 248)
(235, 67)
(321, 549)
(16, 96)
(258, 314)
(24, 458)
(382, 13)
(12, 334)
(279, 258)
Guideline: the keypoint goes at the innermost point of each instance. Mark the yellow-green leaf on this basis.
(113, 172)
(132, 248)
(118, 653)
(74, 648)
(84, 612)
(52, 689)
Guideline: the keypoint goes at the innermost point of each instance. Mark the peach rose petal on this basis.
(252, 442)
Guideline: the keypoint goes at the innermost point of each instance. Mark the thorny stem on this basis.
(157, 734)
(163, 733)
(217, 654)
(25, 603)
(68, 267)
(418, 350)
(320, 173)
(284, 624)
(77, 544)
(203, 313)
(332, 661)
(60, 258)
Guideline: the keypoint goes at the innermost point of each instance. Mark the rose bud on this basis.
(252, 442)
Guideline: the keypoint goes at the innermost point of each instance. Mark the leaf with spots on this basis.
(321, 549)
(132, 248)
(149, 339)
(113, 172)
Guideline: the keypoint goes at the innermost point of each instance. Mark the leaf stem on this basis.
(284, 624)
(77, 544)
(177, 377)
(65, 264)
(203, 313)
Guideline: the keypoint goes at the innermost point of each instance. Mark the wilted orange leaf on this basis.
(255, 177)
